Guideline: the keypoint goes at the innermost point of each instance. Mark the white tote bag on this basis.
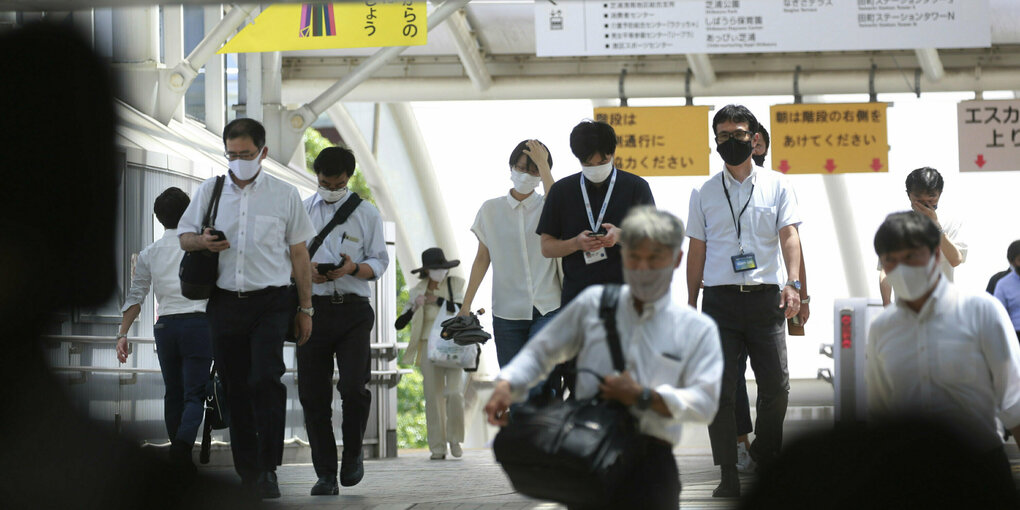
(446, 353)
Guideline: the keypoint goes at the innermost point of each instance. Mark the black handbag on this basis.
(339, 217)
(199, 269)
(217, 413)
(576, 452)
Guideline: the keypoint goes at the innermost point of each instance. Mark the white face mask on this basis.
(648, 285)
(911, 282)
(524, 183)
(598, 173)
(437, 275)
(334, 195)
(243, 169)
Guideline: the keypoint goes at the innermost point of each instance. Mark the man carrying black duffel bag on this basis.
(673, 370)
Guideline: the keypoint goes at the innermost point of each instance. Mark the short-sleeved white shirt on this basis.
(522, 278)
(261, 222)
(772, 206)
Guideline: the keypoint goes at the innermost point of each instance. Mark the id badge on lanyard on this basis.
(743, 261)
(591, 257)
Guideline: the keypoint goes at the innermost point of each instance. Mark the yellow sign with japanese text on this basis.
(659, 141)
(321, 26)
(835, 138)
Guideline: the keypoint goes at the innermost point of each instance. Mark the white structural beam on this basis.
(135, 44)
(845, 225)
(215, 77)
(701, 66)
(468, 50)
(931, 64)
(639, 85)
(173, 48)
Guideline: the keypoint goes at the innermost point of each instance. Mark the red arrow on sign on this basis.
(876, 164)
(830, 165)
(980, 160)
(784, 166)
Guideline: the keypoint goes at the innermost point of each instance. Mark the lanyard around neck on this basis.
(736, 217)
(595, 225)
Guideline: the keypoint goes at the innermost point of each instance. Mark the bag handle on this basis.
(607, 312)
(339, 217)
(214, 204)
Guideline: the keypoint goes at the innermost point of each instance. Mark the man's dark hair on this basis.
(736, 114)
(906, 230)
(759, 159)
(590, 137)
(170, 205)
(925, 180)
(519, 151)
(334, 161)
(245, 127)
(1013, 251)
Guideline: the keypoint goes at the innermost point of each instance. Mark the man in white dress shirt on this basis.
(356, 250)
(672, 355)
(181, 332)
(745, 248)
(941, 353)
(266, 227)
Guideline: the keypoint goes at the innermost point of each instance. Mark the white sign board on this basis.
(646, 27)
(989, 134)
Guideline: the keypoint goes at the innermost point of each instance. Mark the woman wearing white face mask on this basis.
(526, 285)
(444, 387)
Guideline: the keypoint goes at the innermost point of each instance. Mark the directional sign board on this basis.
(989, 135)
(829, 138)
(658, 141)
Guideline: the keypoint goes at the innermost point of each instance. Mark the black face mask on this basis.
(734, 152)
(759, 160)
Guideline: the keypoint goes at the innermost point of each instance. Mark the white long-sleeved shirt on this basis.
(364, 242)
(957, 361)
(157, 267)
(669, 348)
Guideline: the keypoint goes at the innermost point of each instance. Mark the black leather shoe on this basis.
(326, 486)
(267, 485)
(352, 470)
(729, 487)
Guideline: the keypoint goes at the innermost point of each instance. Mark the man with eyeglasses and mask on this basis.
(264, 227)
(941, 353)
(352, 254)
(745, 249)
(924, 190)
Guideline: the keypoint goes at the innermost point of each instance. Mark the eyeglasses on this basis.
(739, 135)
(528, 169)
(247, 156)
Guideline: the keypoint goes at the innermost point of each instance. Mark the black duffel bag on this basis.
(199, 268)
(576, 452)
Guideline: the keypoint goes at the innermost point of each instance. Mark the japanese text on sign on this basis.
(829, 138)
(648, 143)
(989, 135)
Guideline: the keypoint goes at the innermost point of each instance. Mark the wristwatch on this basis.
(805, 300)
(310, 311)
(794, 283)
(644, 400)
(121, 335)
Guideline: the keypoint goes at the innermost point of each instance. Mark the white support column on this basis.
(272, 109)
(467, 48)
(846, 234)
(930, 63)
(701, 66)
(173, 45)
(136, 55)
(215, 79)
(253, 86)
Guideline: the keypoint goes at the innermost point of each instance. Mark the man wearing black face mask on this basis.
(744, 246)
(1007, 290)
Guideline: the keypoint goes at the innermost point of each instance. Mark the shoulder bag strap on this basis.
(607, 312)
(341, 216)
(214, 204)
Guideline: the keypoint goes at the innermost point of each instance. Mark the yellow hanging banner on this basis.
(831, 138)
(656, 141)
(322, 26)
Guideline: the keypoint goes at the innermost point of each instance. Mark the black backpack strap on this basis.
(214, 204)
(450, 305)
(341, 216)
(607, 312)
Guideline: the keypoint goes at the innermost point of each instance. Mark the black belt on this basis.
(189, 315)
(250, 293)
(339, 299)
(746, 288)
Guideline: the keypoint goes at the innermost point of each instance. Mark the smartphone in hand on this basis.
(325, 268)
(220, 236)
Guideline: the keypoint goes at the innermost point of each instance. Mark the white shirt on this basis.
(158, 266)
(956, 360)
(773, 206)
(365, 243)
(522, 278)
(951, 227)
(261, 222)
(669, 348)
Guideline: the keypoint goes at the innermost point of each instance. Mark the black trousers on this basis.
(247, 338)
(653, 485)
(750, 323)
(341, 330)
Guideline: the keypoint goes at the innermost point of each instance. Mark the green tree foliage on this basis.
(410, 396)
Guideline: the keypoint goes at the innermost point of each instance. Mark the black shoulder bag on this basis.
(199, 268)
(339, 217)
(217, 414)
(576, 452)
